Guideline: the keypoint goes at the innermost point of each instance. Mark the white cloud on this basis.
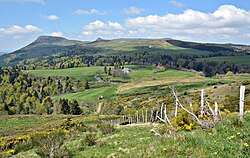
(133, 10)
(51, 17)
(26, 1)
(226, 24)
(132, 32)
(94, 25)
(227, 21)
(114, 25)
(89, 12)
(57, 34)
(103, 25)
(16, 29)
(87, 33)
(225, 16)
(100, 28)
(176, 3)
(15, 36)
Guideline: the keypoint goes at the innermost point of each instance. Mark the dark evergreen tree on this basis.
(75, 109)
(65, 108)
(87, 85)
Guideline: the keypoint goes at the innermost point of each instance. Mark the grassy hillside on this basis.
(143, 80)
(80, 73)
(146, 77)
(91, 95)
(231, 138)
(244, 60)
(136, 45)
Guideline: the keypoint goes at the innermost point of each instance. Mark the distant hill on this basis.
(49, 45)
(1, 53)
(210, 46)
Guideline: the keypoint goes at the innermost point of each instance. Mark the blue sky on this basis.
(223, 21)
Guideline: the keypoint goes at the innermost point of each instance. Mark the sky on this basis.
(217, 21)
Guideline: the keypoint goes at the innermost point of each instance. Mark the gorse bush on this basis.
(106, 128)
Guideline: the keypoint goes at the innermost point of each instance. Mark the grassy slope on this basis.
(145, 77)
(131, 46)
(81, 73)
(142, 80)
(236, 59)
(91, 95)
(138, 141)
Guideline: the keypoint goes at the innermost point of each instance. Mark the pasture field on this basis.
(142, 80)
(80, 73)
(91, 95)
(244, 60)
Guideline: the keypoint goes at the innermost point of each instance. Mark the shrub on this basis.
(246, 82)
(159, 69)
(106, 128)
(125, 122)
(101, 144)
(50, 145)
(24, 146)
(89, 139)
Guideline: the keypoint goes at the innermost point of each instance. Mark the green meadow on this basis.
(143, 80)
(91, 95)
(244, 60)
(80, 73)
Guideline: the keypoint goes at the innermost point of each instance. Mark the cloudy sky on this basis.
(223, 21)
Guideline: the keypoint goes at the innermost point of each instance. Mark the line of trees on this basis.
(24, 94)
(175, 61)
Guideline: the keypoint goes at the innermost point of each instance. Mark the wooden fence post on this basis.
(137, 116)
(161, 110)
(176, 108)
(152, 115)
(215, 109)
(242, 95)
(202, 101)
(146, 118)
(191, 107)
(157, 115)
(142, 116)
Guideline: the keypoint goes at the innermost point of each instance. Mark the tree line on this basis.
(24, 94)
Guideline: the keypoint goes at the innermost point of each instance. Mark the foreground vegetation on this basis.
(228, 139)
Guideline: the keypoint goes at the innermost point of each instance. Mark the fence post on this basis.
(215, 109)
(142, 116)
(176, 108)
(202, 101)
(152, 115)
(191, 107)
(161, 110)
(242, 95)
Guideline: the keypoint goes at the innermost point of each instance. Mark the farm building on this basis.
(126, 70)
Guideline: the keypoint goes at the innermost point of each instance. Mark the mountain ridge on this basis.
(49, 45)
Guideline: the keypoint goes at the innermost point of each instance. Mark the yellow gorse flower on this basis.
(246, 145)
(11, 152)
(230, 137)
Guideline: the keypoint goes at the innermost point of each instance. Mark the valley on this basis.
(73, 94)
